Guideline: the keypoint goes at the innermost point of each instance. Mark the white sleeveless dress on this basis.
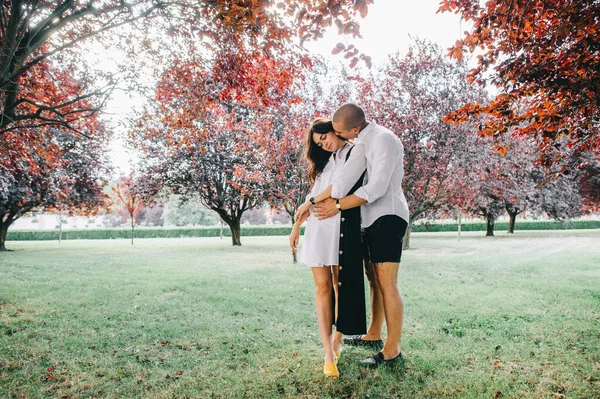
(320, 246)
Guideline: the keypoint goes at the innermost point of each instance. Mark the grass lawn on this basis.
(504, 317)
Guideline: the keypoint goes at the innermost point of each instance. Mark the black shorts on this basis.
(382, 241)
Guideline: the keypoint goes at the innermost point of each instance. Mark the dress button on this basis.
(342, 234)
(340, 267)
(341, 252)
(343, 219)
(340, 284)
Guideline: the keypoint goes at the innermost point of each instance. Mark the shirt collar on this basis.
(341, 151)
(368, 129)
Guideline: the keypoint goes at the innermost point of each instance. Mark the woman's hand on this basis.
(305, 207)
(294, 238)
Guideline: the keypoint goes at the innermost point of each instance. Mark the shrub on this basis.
(280, 230)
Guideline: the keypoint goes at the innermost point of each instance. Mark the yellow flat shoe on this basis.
(330, 370)
(337, 356)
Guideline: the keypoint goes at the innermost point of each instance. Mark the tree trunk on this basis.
(511, 223)
(5, 222)
(59, 231)
(3, 232)
(490, 226)
(406, 239)
(234, 226)
(132, 229)
(459, 217)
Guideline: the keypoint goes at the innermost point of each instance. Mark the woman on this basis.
(332, 248)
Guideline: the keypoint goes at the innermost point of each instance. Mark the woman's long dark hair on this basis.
(317, 156)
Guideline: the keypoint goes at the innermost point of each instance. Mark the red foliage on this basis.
(51, 168)
(212, 120)
(128, 200)
(43, 30)
(544, 58)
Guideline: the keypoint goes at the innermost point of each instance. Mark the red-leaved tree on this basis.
(48, 167)
(410, 95)
(544, 58)
(34, 32)
(204, 135)
(128, 200)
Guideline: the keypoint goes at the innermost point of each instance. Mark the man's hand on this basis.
(305, 207)
(325, 209)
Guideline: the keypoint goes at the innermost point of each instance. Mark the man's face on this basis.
(347, 134)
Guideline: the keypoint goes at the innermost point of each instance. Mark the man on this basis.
(384, 213)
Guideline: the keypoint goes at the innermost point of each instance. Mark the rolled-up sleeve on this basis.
(351, 172)
(386, 153)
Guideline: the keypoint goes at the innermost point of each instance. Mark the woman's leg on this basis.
(323, 290)
(337, 336)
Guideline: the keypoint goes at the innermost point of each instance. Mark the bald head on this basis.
(349, 116)
(348, 120)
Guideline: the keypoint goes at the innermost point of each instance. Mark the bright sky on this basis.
(389, 25)
(386, 29)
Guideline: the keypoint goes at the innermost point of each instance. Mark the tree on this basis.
(559, 197)
(128, 200)
(34, 32)
(203, 138)
(544, 58)
(282, 152)
(589, 183)
(520, 188)
(152, 215)
(410, 95)
(52, 172)
(43, 171)
(180, 211)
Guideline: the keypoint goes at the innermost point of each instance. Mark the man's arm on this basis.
(351, 172)
(327, 208)
(387, 154)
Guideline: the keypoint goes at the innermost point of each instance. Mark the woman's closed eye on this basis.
(322, 139)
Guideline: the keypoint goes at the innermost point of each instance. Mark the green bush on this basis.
(178, 232)
(144, 232)
(503, 225)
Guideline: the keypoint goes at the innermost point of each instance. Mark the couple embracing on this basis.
(357, 216)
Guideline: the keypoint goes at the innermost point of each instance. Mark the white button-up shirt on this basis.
(382, 153)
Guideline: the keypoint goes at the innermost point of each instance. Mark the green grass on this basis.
(508, 316)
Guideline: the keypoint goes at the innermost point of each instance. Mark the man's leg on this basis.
(377, 309)
(387, 277)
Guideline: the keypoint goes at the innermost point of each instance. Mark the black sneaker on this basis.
(356, 340)
(377, 360)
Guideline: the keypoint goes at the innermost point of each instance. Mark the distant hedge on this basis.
(162, 232)
(503, 225)
(144, 232)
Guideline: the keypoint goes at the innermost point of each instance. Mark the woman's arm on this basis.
(295, 234)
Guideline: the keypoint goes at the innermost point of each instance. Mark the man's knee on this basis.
(387, 276)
